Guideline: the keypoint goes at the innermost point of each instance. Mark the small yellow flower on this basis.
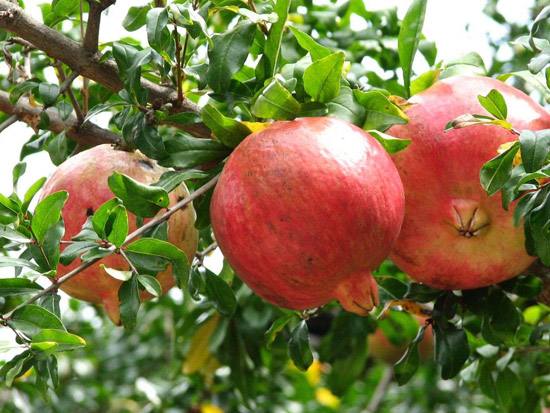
(210, 408)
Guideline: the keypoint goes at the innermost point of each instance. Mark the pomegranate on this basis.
(305, 209)
(381, 348)
(84, 177)
(455, 236)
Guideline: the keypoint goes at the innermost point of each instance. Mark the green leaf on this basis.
(422, 293)
(117, 274)
(451, 349)
(424, 81)
(344, 106)
(31, 192)
(135, 18)
(408, 364)
(381, 112)
(110, 221)
(409, 37)
(276, 327)
(495, 104)
(306, 42)
(170, 180)
(298, 347)
(322, 77)
(64, 8)
(510, 389)
(186, 152)
(228, 131)
(390, 143)
(31, 319)
(495, 173)
(228, 55)
(272, 47)
(151, 284)
(17, 286)
(47, 214)
(469, 64)
(8, 210)
(501, 318)
(157, 33)
(74, 250)
(140, 199)
(543, 16)
(21, 89)
(535, 81)
(51, 340)
(220, 293)
(166, 250)
(18, 170)
(57, 147)
(275, 102)
(147, 139)
(17, 263)
(393, 286)
(535, 149)
(16, 367)
(47, 253)
(48, 92)
(128, 296)
(13, 235)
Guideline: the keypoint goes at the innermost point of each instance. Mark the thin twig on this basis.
(201, 254)
(68, 82)
(8, 122)
(381, 389)
(262, 24)
(179, 78)
(69, 92)
(130, 263)
(137, 233)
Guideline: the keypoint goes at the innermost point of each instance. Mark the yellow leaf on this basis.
(198, 355)
(313, 373)
(256, 126)
(210, 408)
(326, 398)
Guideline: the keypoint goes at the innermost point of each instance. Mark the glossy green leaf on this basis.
(535, 149)
(157, 33)
(128, 296)
(31, 192)
(306, 42)
(120, 275)
(110, 221)
(75, 250)
(390, 143)
(186, 152)
(47, 213)
(48, 92)
(275, 102)
(17, 286)
(276, 327)
(409, 37)
(272, 47)
(495, 104)
(151, 284)
(228, 131)
(228, 55)
(380, 112)
(32, 318)
(408, 364)
(424, 81)
(497, 171)
(50, 340)
(451, 349)
(220, 294)
(322, 77)
(299, 349)
(135, 18)
(344, 106)
(142, 200)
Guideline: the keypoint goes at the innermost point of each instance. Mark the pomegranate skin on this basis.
(84, 177)
(455, 236)
(305, 209)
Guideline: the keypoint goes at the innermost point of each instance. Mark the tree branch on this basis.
(86, 134)
(60, 47)
(8, 122)
(136, 234)
(91, 40)
(380, 391)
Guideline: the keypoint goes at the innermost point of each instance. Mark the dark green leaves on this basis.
(135, 18)
(496, 172)
(500, 319)
(52, 340)
(495, 104)
(409, 37)
(228, 55)
(128, 295)
(142, 200)
(221, 295)
(275, 102)
(535, 149)
(305, 41)
(48, 92)
(298, 347)
(31, 319)
(47, 214)
(322, 77)
(158, 35)
(186, 152)
(408, 364)
(451, 349)
(16, 286)
(110, 221)
(272, 45)
(381, 113)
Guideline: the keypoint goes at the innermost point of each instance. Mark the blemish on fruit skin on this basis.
(89, 212)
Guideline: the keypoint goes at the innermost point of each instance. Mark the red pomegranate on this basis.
(84, 177)
(305, 209)
(455, 236)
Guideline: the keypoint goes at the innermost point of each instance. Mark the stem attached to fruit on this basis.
(137, 233)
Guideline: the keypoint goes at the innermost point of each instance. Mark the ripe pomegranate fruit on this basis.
(455, 236)
(381, 348)
(305, 209)
(84, 177)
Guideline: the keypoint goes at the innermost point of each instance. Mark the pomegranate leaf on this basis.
(220, 293)
(451, 349)
(390, 143)
(275, 102)
(128, 295)
(32, 318)
(272, 47)
(228, 131)
(346, 107)
(186, 152)
(407, 365)
(306, 42)
(495, 104)
(158, 35)
(151, 284)
(535, 149)
(322, 78)
(53, 340)
(298, 347)
(381, 113)
(409, 37)
(47, 213)
(17, 286)
(497, 171)
(276, 327)
(135, 18)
